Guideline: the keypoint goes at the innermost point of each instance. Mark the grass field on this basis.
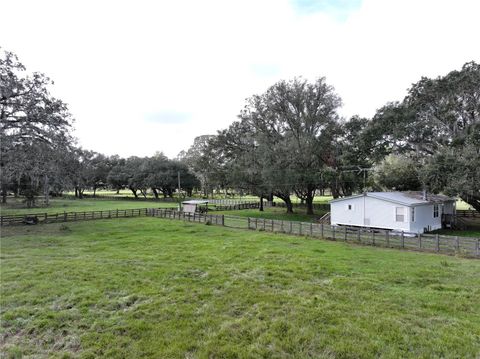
(73, 205)
(275, 213)
(155, 288)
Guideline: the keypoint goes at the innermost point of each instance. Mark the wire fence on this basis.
(466, 246)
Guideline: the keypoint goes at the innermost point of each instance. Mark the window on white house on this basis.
(435, 210)
(399, 214)
(413, 214)
(350, 207)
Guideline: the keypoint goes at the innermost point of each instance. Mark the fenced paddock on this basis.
(422, 242)
(466, 246)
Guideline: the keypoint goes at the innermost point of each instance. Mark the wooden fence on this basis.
(316, 206)
(33, 218)
(466, 246)
(236, 206)
(467, 213)
(422, 242)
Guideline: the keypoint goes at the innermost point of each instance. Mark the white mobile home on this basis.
(404, 211)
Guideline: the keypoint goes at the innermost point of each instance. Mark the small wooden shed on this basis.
(195, 205)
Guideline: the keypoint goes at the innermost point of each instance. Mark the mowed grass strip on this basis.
(15, 206)
(154, 288)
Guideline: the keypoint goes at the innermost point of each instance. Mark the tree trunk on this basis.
(80, 193)
(118, 190)
(134, 191)
(261, 204)
(4, 193)
(288, 202)
(309, 202)
(46, 189)
(94, 191)
(155, 192)
(76, 192)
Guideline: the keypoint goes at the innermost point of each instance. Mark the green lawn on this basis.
(72, 205)
(275, 213)
(154, 288)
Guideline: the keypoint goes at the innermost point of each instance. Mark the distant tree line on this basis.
(288, 140)
(39, 156)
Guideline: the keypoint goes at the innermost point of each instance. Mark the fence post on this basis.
(373, 237)
(457, 243)
(403, 240)
(64, 216)
(333, 232)
(291, 227)
(248, 222)
(223, 220)
(311, 229)
(283, 230)
(419, 240)
(478, 247)
(359, 231)
(272, 226)
(300, 228)
(345, 234)
(438, 242)
(46, 216)
(321, 230)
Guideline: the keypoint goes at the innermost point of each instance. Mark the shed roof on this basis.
(195, 201)
(411, 198)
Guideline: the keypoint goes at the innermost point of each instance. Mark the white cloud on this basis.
(117, 63)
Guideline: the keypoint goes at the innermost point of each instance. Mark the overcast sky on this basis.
(147, 76)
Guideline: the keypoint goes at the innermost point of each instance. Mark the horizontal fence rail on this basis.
(236, 206)
(466, 246)
(467, 213)
(318, 206)
(414, 241)
(34, 218)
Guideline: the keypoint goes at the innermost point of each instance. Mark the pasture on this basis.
(14, 206)
(277, 213)
(148, 287)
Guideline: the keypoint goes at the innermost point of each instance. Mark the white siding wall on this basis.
(424, 218)
(381, 214)
(378, 213)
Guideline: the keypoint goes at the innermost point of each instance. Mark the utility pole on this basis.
(364, 170)
(179, 199)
